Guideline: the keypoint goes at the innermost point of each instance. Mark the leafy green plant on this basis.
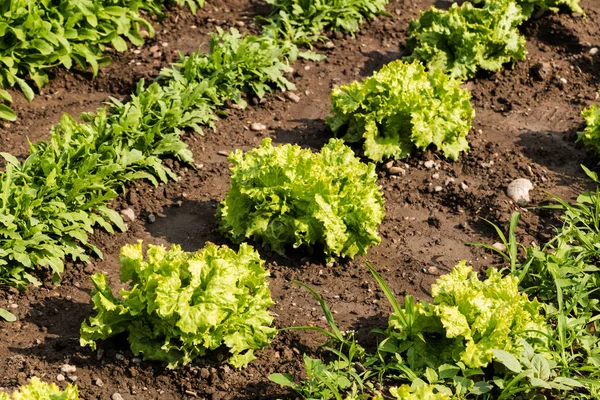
(6, 112)
(235, 65)
(564, 275)
(38, 390)
(7, 315)
(37, 36)
(419, 390)
(400, 109)
(287, 195)
(468, 320)
(180, 305)
(305, 21)
(529, 6)
(590, 136)
(468, 38)
(53, 200)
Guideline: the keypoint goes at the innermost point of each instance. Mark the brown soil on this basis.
(525, 127)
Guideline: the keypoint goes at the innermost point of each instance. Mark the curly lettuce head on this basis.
(400, 109)
(287, 195)
(181, 305)
(38, 390)
(467, 320)
(467, 38)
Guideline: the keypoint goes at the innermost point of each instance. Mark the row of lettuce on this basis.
(477, 339)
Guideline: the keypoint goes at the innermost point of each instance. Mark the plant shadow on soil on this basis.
(378, 59)
(312, 133)
(556, 151)
(59, 338)
(191, 225)
(553, 32)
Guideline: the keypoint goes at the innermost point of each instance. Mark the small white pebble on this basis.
(68, 369)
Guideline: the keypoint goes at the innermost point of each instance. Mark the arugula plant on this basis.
(38, 36)
(181, 305)
(6, 112)
(51, 202)
(468, 38)
(286, 195)
(305, 21)
(235, 65)
(38, 390)
(400, 109)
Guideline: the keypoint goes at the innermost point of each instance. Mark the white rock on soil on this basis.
(116, 396)
(593, 51)
(292, 96)
(429, 164)
(60, 377)
(397, 171)
(128, 214)
(499, 246)
(99, 382)
(68, 369)
(257, 127)
(518, 191)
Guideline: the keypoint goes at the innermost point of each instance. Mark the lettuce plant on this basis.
(290, 196)
(418, 392)
(469, 321)
(529, 6)
(38, 390)
(468, 38)
(400, 109)
(590, 136)
(180, 305)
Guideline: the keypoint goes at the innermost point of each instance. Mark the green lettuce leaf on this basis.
(467, 38)
(38, 390)
(290, 196)
(529, 6)
(590, 136)
(181, 305)
(418, 392)
(400, 109)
